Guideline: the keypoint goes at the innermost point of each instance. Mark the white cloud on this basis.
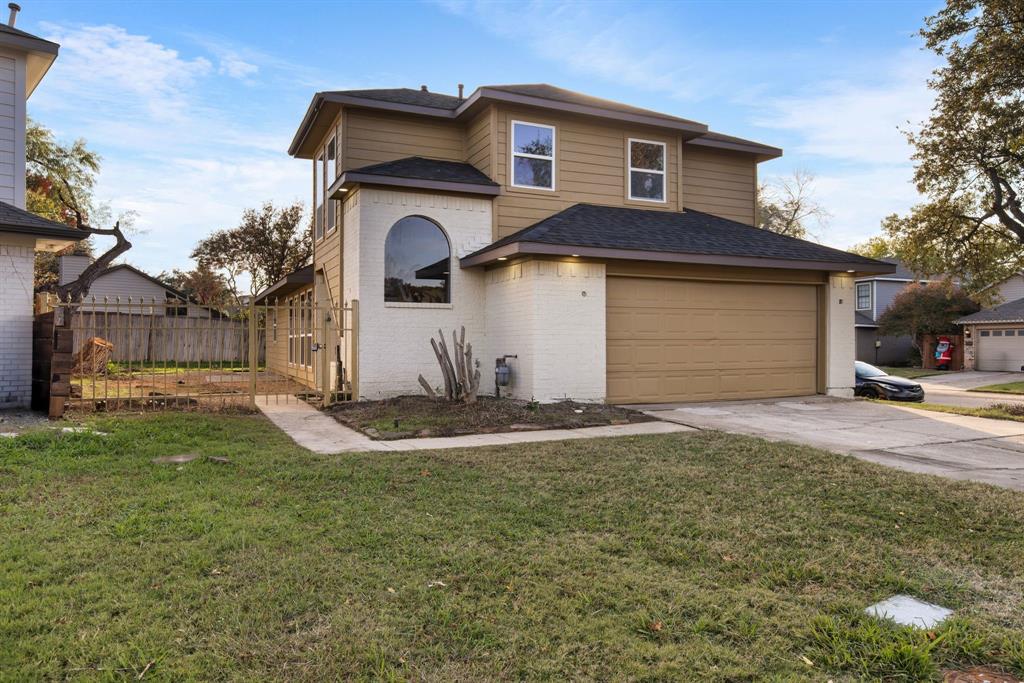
(857, 121)
(236, 67)
(96, 60)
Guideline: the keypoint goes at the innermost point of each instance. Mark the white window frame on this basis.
(856, 296)
(330, 209)
(513, 154)
(663, 172)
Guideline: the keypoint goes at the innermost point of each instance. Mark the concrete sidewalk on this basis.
(321, 433)
(955, 388)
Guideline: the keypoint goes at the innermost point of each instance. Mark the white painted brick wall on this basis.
(841, 343)
(551, 314)
(394, 344)
(17, 260)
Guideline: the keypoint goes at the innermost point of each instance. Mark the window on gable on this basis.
(647, 170)
(417, 260)
(863, 296)
(533, 155)
(330, 174)
(318, 194)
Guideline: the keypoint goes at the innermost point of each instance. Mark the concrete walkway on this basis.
(953, 388)
(321, 433)
(952, 446)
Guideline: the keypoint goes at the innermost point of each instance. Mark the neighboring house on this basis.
(1010, 289)
(994, 338)
(24, 60)
(609, 248)
(123, 284)
(874, 295)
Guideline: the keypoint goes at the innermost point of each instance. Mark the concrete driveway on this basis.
(951, 388)
(952, 446)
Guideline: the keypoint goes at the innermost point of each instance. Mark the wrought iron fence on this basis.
(152, 354)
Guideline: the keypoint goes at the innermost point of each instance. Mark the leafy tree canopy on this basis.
(268, 244)
(202, 284)
(969, 155)
(926, 309)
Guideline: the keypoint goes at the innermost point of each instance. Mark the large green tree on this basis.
(969, 155)
(202, 284)
(268, 244)
(59, 182)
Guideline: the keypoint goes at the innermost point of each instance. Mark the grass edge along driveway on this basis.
(1005, 388)
(704, 556)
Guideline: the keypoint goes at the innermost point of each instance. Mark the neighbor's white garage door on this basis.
(1000, 350)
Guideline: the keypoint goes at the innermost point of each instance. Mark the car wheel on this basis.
(874, 392)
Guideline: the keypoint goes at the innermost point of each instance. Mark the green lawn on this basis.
(996, 411)
(1006, 388)
(909, 373)
(675, 557)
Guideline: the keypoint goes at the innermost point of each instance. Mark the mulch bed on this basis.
(416, 416)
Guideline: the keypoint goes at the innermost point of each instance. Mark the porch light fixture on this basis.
(503, 258)
(851, 271)
(575, 255)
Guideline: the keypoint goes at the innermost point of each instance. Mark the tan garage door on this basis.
(1001, 349)
(679, 340)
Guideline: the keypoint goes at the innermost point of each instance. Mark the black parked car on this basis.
(873, 383)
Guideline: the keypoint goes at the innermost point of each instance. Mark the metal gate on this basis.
(132, 354)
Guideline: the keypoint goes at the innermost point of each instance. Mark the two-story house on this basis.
(609, 249)
(874, 295)
(24, 60)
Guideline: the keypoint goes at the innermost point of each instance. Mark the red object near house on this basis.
(944, 353)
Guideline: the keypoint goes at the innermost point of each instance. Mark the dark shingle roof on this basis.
(861, 319)
(1010, 312)
(39, 43)
(687, 232)
(418, 98)
(556, 94)
(421, 168)
(13, 219)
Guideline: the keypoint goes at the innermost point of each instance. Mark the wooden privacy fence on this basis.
(151, 338)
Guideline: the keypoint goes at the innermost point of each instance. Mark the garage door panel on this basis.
(1000, 353)
(672, 340)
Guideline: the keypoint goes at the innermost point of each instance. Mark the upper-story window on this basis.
(318, 196)
(417, 263)
(533, 155)
(330, 173)
(647, 170)
(863, 296)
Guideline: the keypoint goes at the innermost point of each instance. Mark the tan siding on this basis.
(277, 350)
(478, 142)
(376, 137)
(719, 182)
(590, 167)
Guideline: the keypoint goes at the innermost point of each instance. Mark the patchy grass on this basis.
(1006, 388)
(909, 373)
(679, 557)
(996, 411)
(408, 416)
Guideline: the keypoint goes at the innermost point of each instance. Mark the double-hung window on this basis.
(863, 296)
(318, 196)
(533, 155)
(647, 170)
(330, 172)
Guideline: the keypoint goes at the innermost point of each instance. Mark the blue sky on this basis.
(192, 105)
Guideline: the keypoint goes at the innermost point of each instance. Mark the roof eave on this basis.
(297, 279)
(762, 152)
(1008, 321)
(54, 232)
(691, 127)
(346, 181)
(506, 251)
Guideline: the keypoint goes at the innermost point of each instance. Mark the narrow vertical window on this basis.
(647, 170)
(318, 197)
(330, 175)
(863, 296)
(533, 155)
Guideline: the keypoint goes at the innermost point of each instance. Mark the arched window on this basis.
(417, 261)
